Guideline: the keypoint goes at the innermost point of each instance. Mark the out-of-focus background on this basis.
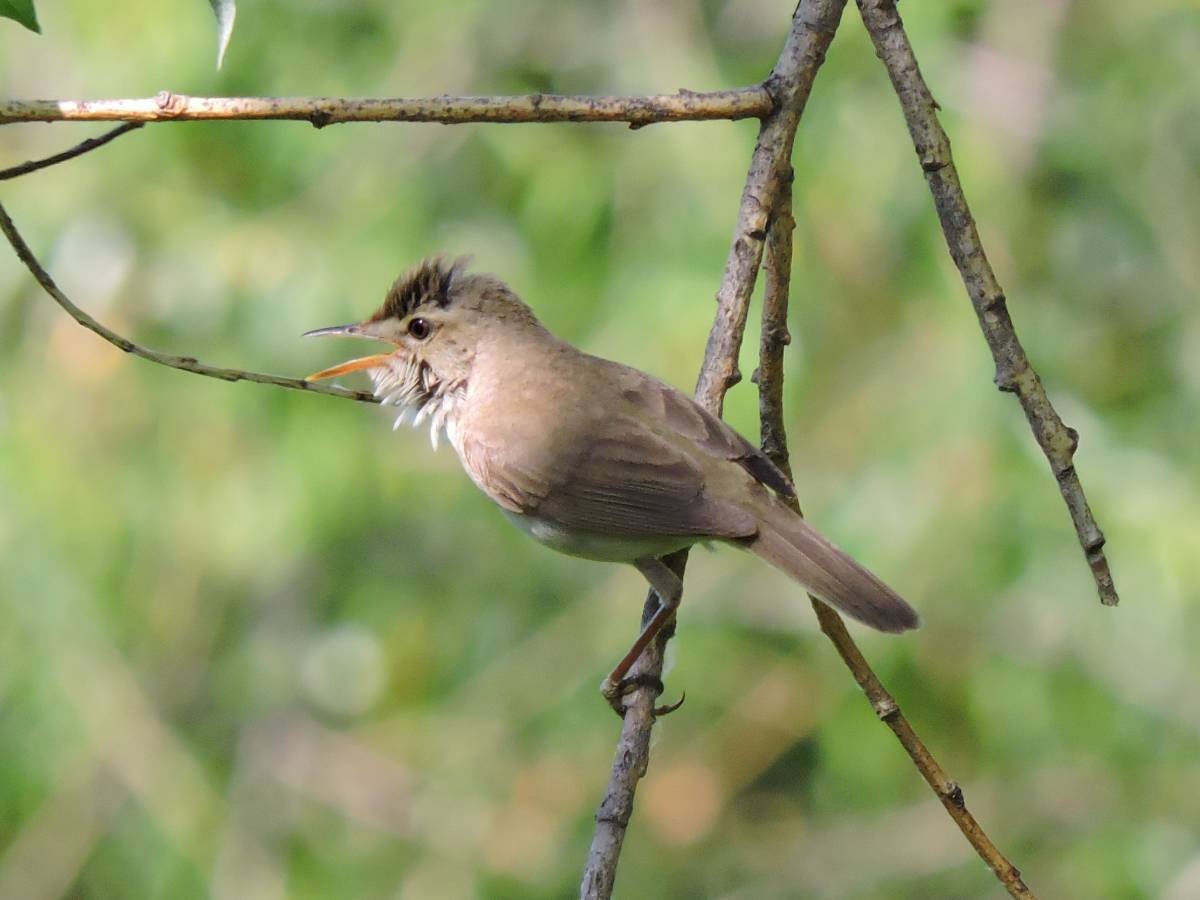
(253, 644)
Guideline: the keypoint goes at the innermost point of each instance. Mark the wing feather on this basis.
(629, 459)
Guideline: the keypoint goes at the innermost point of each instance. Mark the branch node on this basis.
(954, 794)
(1006, 379)
(993, 302)
(886, 707)
(621, 820)
(170, 104)
(1094, 546)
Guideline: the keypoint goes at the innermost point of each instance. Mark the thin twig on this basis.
(775, 336)
(186, 363)
(769, 377)
(78, 150)
(747, 103)
(947, 791)
(1014, 373)
(813, 26)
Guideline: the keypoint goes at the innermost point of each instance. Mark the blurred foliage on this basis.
(254, 644)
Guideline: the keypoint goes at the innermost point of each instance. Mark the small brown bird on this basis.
(590, 457)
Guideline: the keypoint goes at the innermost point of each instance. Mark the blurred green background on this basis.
(255, 645)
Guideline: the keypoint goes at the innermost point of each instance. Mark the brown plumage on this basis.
(591, 457)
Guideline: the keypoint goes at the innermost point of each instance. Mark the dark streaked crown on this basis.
(428, 283)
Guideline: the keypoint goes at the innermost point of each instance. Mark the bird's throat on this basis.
(421, 396)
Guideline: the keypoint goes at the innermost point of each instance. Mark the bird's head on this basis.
(435, 316)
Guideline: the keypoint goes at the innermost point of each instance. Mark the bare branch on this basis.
(748, 103)
(78, 150)
(1014, 373)
(947, 791)
(186, 363)
(775, 336)
(774, 440)
(813, 26)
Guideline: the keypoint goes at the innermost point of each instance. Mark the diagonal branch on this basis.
(769, 378)
(186, 363)
(813, 26)
(1014, 373)
(747, 103)
(78, 150)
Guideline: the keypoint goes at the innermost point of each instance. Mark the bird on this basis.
(588, 456)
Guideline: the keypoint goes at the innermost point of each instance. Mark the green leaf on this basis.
(226, 12)
(20, 11)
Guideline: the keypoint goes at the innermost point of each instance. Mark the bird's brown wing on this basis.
(634, 466)
(631, 480)
(687, 418)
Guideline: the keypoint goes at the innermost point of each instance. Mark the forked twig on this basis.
(1014, 373)
(769, 378)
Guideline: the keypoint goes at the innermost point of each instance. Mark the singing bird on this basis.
(588, 456)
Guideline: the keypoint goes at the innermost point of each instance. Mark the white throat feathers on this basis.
(416, 389)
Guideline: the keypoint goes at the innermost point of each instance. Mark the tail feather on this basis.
(789, 543)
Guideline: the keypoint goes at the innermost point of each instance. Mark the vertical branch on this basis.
(769, 378)
(814, 24)
(775, 335)
(1014, 373)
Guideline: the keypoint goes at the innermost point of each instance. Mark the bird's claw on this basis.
(614, 692)
(667, 708)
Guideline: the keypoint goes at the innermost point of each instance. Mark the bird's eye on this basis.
(420, 329)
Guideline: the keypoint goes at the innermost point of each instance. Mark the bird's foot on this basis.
(667, 708)
(615, 691)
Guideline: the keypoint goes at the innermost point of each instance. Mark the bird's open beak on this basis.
(358, 329)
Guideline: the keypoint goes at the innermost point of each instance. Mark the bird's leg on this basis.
(669, 590)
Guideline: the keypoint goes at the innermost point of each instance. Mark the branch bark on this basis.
(1014, 373)
(790, 82)
(769, 378)
(747, 103)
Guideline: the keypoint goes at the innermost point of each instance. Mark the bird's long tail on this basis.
(789, 543)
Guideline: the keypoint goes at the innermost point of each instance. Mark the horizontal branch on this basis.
(186, 363)
(1014, 372)
(746, 103)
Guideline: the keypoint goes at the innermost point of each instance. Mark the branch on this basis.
(78, 150)
(748, 103)
(1014, 373)
(186, 363)
(813, 26)
(769, 378)
(947, 791)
